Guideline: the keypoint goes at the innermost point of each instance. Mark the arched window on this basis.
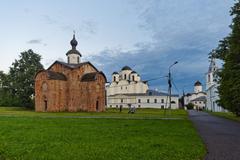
(78, 60)
(68, 59)
(133, 78)
(125, 76)
(114, 78)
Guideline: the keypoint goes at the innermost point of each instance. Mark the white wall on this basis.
(123, 100)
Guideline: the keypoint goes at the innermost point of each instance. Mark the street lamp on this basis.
(170, 83)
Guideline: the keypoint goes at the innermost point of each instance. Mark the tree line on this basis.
(17, 86)
(228, 50)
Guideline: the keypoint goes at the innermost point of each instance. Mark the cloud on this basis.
(184, 32)
(85, 27)
(35, 41)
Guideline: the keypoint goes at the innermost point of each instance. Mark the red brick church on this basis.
(73, 86)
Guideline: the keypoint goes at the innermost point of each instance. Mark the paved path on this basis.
(221, 136)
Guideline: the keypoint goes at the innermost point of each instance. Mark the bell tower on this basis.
(73, 55)
(211, 73)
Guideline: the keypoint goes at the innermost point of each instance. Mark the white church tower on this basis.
(211, 73)
(211, 88)
(74, 55)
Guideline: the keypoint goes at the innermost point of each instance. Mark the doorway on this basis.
(97, 106)
(45, 105)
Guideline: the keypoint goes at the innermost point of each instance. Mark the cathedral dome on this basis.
(126, 68)
(197, 83)
(74, 42)
(114, 73)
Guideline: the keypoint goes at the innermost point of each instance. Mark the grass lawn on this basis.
(28, 135)
(228, 115)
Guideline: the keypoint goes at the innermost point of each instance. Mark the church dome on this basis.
(74, 42)
(133, 72)
(197, 83)
(114, 73)
(126, 68)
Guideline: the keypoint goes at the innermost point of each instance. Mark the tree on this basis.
(19, 82)
(228, 50)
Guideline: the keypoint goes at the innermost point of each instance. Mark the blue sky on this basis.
(145, 35)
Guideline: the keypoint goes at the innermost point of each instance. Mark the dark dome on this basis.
(133, 72)
(126, 68)
(114, 73)
(197, 83)
(74, 42)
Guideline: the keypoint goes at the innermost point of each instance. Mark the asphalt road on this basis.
(221, 136)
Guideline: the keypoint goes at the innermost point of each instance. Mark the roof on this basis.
(197, 83)
(53, 75)
(202, 98)
(133, 72)
(56, 76)
(157, 93)
(91, 76)
(72, 66)
(126, 68)
(149, 93)
(74, 51)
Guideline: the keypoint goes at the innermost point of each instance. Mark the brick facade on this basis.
(65, 87)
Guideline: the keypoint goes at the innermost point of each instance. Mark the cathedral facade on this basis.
(127, 88)
(72, 86)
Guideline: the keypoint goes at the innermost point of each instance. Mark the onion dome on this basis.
(126, 68)
(197, 83)
(74, 42)
(114, 73)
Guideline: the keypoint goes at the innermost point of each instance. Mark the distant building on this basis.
(73, 86)
(198, 97)
(128, 88)
(211, 88)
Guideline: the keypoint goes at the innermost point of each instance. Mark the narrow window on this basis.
(121, 100)
(155, 100)
(125, 76)
(68, 59)
(162, 106)
(133, 78)
(139, 100)
(78, 60)
(162, 100)
(148, 101)
(114, 78)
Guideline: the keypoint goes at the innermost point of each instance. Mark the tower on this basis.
(73, 55)
(211, 73)
(197, 87)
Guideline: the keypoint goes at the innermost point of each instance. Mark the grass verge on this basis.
(30, 136)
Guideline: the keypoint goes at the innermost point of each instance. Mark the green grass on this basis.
(28, 135)
(228, 115)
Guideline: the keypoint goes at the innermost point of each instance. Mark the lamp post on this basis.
(170, 83)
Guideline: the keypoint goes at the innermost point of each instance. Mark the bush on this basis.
(190, 106)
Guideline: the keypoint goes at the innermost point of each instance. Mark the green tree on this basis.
(19, 82)
(228, 50)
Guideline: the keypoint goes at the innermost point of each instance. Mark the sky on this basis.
(147, 36)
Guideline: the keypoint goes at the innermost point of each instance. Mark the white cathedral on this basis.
(198, 97)
(211, 88)
(128, 88)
